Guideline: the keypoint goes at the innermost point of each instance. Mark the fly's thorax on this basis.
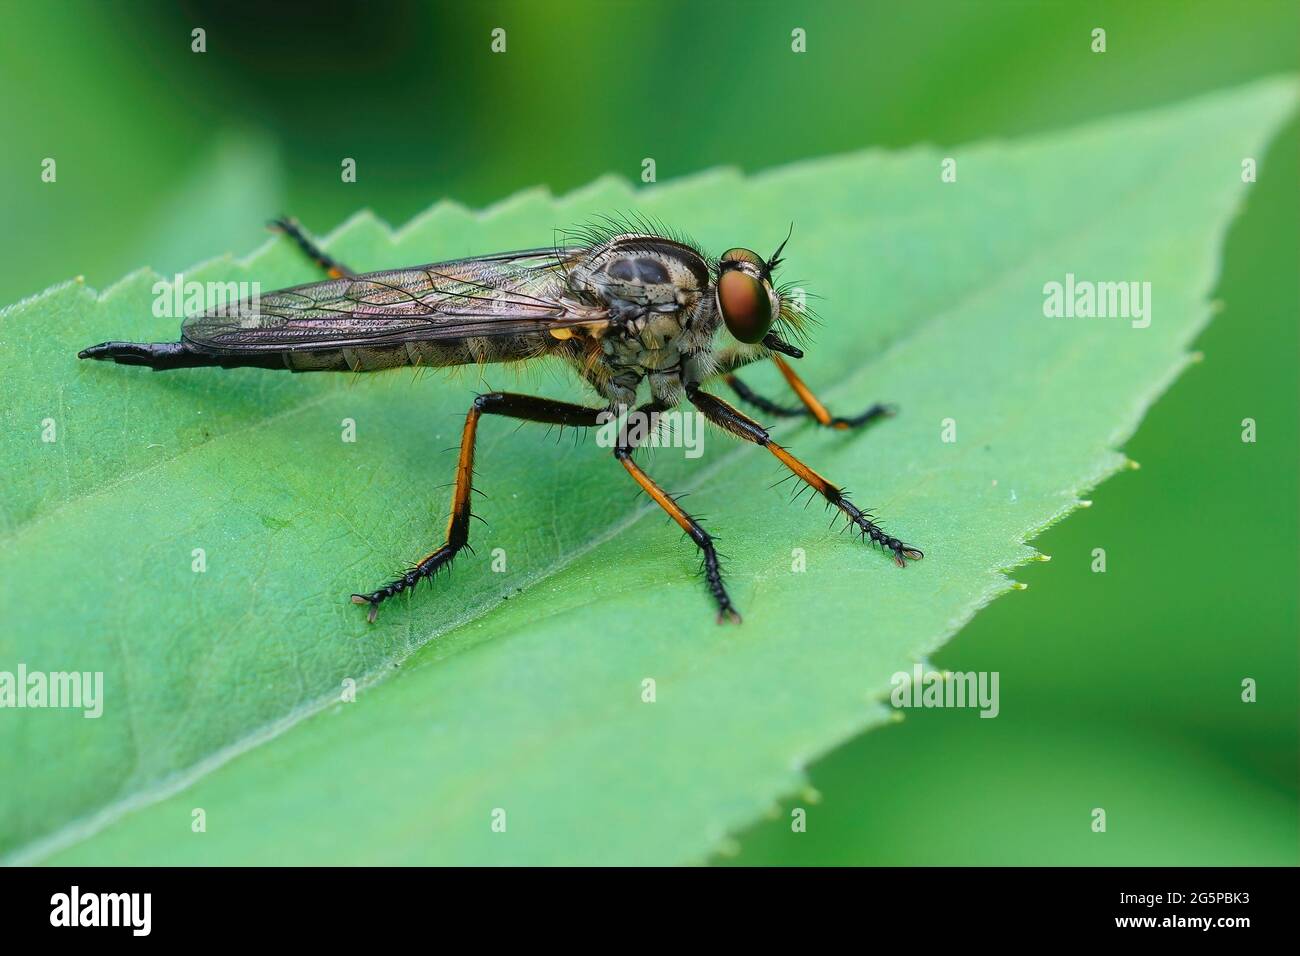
(638, 275)
(652, 287)
(653, 332)
(645, 344)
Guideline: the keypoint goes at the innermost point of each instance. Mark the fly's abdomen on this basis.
(440, 354)
(368, 359)
(164, 356)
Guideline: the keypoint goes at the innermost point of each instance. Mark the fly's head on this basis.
(752, 307)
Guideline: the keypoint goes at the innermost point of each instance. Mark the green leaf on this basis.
(522, 690)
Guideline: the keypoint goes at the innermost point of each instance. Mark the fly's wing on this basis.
(502, 294)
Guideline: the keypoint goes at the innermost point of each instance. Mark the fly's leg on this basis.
(524, 407)
(712, 570)
(333, 268)
(742, 426)
(811, 404)
(751, 397)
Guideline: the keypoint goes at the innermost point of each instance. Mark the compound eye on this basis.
(743, 255)
(745, 306)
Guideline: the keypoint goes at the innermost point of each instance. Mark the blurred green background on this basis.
(1119, 690)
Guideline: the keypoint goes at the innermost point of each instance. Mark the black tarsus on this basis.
(751, 397)
(876, 411)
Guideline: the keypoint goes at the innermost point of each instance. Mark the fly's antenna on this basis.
(775, 260)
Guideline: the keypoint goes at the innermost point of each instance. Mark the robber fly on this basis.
(621, 302)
